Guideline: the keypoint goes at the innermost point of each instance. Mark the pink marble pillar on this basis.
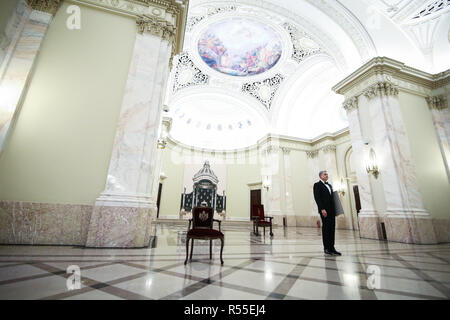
(289, 213)
(441, 121)
(23, 36)
(369, 221)
(272, 172)
(405, 218)
(123, 213)
(314, 168)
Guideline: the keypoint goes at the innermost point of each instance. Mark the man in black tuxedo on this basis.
(323, 194)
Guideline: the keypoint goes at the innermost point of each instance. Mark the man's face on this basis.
(324, 176)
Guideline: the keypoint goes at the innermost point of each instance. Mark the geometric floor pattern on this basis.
(289, 266)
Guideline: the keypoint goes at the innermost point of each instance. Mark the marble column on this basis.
(329, 157)
(289, 213)
(272, 196)
(314, 168)
(19, 46)
(369, 221)
(441, 121)
(405, 218)
(165, 129)
(123, 213)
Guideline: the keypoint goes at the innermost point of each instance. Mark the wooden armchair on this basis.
(259, 219)
(202, 228)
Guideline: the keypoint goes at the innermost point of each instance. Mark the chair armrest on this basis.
(268, 217)
(220, 223)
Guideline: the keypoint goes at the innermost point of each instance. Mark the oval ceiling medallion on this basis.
(240, 47)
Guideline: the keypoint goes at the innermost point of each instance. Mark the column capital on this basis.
(272, 149)
(286, 150)
(48, 6)
(312, 154)
(350, 103)
(157, 27)
(328, 148)
(436, 102)
(382, 88)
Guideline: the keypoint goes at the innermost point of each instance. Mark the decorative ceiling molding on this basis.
(431, 9)
(187, 74)
(280, 15)
(193, 20)
(395, 73)
(264, 90)
(301, 49)
(350, 24)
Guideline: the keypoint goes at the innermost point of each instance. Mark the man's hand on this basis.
(324, 213)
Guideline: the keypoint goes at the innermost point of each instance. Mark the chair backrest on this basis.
(258, 211)
(202, 218)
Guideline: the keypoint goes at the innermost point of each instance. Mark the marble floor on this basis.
(289, 266)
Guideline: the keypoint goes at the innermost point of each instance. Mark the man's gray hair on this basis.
(320, 172)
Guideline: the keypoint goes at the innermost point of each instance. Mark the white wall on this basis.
(60, 147)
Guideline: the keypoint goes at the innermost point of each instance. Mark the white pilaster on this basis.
(289, 213)
(313, 163)
(123, 213)
(23, 36)
(441, 121)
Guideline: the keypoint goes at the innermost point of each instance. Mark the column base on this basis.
(37, 223)
(370, 226)
(291, 220)
(277, 217)
(308, 221)
(126, 226)
(410, 228)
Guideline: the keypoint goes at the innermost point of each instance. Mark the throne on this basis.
(204, 190)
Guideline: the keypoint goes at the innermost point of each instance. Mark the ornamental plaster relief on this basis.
(264, 91)
(49, 6)
(187, 74)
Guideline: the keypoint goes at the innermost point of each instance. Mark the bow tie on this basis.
(326, 182)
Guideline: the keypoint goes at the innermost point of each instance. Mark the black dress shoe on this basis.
(328, 252)
(336, 253)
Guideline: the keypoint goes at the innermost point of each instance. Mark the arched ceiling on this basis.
(321, 43)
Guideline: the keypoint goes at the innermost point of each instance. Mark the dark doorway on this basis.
(357, 205)
(255, 198)
(158, 201)
(357, 200)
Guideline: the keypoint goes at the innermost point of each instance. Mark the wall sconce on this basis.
(161, 144)
(340, 187)
(266, 184)
(165, 128)
(372, 164)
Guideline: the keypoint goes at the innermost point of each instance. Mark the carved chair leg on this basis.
(192, 248)
(210, 249)
(221, 249)
(187, 250)
(271, 233)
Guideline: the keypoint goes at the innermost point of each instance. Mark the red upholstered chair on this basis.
(259, 219)
(202, 228)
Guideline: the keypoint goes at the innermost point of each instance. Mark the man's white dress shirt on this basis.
(326, 185)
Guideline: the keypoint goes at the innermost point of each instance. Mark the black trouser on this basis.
(328, 225)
